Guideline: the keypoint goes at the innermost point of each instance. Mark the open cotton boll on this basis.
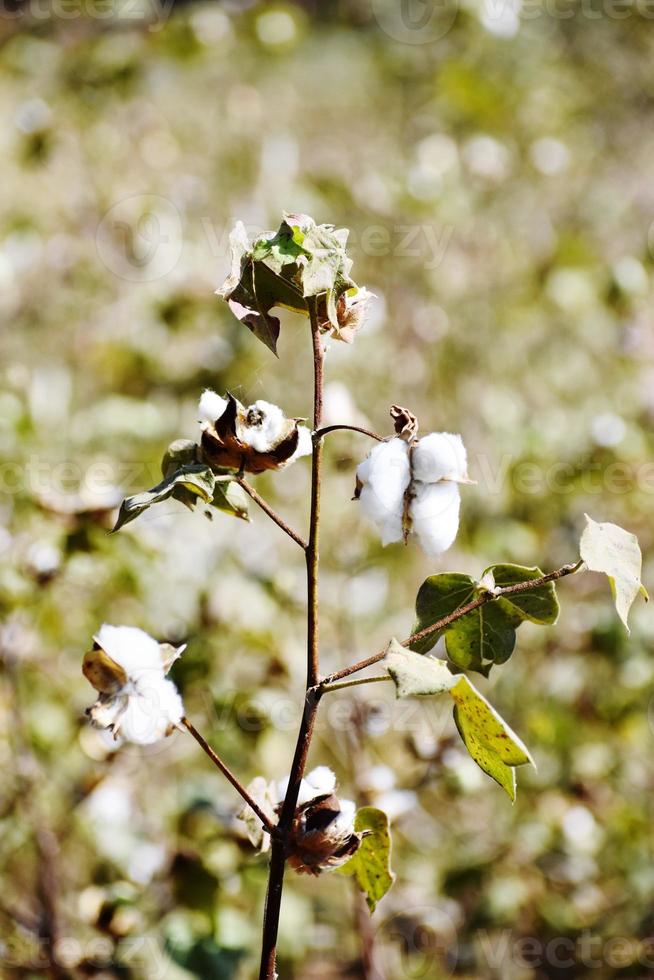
(434, 513)
(131, 648)
(438, 456)
(151, 712)
(304, 443)
(343, 825)
(306, 793)
(211, 406)
(385, 475)
(263, 426)
(322, 779)
(387, 519)
(318, 782)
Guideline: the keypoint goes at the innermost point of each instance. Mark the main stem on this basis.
(312, 697)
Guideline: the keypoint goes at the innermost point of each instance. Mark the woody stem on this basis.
(313, 695)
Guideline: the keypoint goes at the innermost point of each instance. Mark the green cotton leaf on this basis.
(610, 549)
(371, 863)
(232, 499)
(538, 605)
(486, 635)
(285, 269)
(190, 484)
(438, 596)
(492, 744)
(416, 674)
(483, 637)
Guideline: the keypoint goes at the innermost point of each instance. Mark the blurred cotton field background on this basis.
(493, 162)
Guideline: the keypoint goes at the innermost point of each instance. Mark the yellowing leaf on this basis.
(610, 549)
(371, 863)
(492, 744)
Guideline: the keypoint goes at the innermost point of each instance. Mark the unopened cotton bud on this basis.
(434, 513)
(439, 456)
(384, 477)
(211, 406)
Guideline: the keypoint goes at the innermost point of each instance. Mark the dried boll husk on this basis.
(231, 444)
(322, 836)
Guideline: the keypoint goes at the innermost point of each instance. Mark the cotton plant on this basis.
(409, 488)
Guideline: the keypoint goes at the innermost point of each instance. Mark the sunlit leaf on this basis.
(490, 741)
(610, 549)
(486, 635)
(438, 596)
(371, 863)
(285, 269)
(538, 605)
(416, 674)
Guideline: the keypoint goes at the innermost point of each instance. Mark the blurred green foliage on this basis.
(497, 181)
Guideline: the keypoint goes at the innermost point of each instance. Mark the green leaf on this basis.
(204, 959)
(415, 674)
(194, 482)
(231, 499)
(284, 269)
(438, 596)
(483, 637)
(536, 605)
(492, 744)
(487, 635)
(610, 549)
(371, 863)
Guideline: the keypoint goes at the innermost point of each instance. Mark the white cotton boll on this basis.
(385, 475)
(131, 648)
(343, 825)
(438, 456)
(387, 521)
(322, 779)
(264, 426)
(306, 793)
(435, 515)
(211, 406)
(304, 443)
(151, 712)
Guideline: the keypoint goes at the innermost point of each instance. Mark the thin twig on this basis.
(268, 825)
(351, 428)
(452, 617)
(327, 688)
(312, 699)
(272, 514)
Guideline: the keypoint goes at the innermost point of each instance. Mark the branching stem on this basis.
(268, 825)
(490, 596)
(272, 514)
(350, 428)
